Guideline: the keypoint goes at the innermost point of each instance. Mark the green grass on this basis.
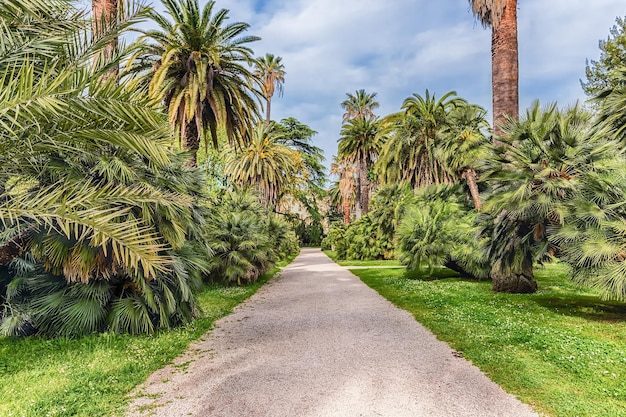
(92, 376)
(561, 350)
(332, 255)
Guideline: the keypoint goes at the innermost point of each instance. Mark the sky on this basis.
(399, 47)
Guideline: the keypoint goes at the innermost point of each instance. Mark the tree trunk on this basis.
(504, 70)
(364, 186)
(191, 142)
(470, 176)
(515, 282)
(268, 110)
(456, 267)
(346, 210)
(104, 14)
(15, 247)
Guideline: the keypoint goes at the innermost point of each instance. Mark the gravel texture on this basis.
(316, 341)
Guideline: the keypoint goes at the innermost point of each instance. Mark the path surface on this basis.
(318, 342)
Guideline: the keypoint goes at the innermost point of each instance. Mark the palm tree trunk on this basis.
(15, 247)
(104, 14)
(191, 142)
(514, 282)
(346, 210)
(364, 186)
(268, 110)
(470, 176)
(504, 70)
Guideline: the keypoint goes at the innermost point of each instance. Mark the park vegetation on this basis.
(143, 184)
(113, 215)
(447, 189)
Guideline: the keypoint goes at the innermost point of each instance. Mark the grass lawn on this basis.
(561, 350)
(92, 375)
(332, 255)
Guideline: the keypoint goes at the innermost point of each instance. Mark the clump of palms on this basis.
(244, 240)
(360, 141)
(360, 105)
(591, 239)
(344, 190)
(540, 169)
(95, 211)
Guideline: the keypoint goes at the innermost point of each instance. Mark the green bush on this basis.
(244, 240)
(438, 229)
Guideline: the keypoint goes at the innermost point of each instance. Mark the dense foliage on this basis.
(103, 227)
(439, 229)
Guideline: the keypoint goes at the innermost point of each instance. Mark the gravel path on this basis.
(319, 342)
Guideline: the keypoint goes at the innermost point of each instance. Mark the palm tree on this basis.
(270, 70)
(359, 105)
(197, 65)
(95, 210)
(346, 171)
(438, 229)
(542, 164)
(361, 144)
(412, 138)
(501, 16)
(266, 164)
(463, 146)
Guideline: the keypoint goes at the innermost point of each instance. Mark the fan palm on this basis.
(359, 105)
(361, 143)
(437, 228)
(540, 168)
(197, 65)
(271, 71)
(592, 238)
(501, 16)
(238, 234)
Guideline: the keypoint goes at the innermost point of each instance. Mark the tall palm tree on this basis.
(409, 153)
(359, 105)
(464, 145)
(266, 164)
(197, 65)
(271, 71)
(361, 143)
(346, 171)
(501, 16)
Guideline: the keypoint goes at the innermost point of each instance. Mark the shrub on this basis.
(438, 229)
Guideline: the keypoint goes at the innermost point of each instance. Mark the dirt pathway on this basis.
(319, 342)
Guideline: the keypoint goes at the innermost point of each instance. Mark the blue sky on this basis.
(399, 47)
